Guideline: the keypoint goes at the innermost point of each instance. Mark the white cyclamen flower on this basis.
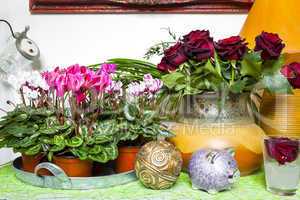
(115, 88)
(152, 85)
(136, 89)
(34, 79)
(30, 94)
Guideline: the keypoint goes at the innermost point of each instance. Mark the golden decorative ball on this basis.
(158, 165)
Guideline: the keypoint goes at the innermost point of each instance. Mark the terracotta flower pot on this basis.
(30, 162)
(126, 159)
(74, 167)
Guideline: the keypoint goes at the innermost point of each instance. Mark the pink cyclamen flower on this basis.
(74, 82)
(74, 69)
(80, 97)
(50, 77)
(103, 81)
(152, 85)
(61, 85)
(108, 68)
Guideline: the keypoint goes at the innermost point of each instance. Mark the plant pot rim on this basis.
(65, 159)
(129, 149)
(37, 156)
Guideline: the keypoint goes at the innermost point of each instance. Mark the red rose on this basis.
(292, 73)
(232, 48)
(198, 45)
(282, 149)
(173, 57)
(270, 44)
(165, 66)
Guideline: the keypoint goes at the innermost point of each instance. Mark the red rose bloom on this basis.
(232, 48)
(282, 149)
(270, 44)
(198, 45)
(165, 66)
(292, 73)
(173, 57)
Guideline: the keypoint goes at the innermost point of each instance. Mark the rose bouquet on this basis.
(195, 63)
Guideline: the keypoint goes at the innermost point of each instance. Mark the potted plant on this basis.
(133, 118)
(77, 94)
(23, 128)
(207, 90)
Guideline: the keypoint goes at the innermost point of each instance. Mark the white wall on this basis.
(88, 39)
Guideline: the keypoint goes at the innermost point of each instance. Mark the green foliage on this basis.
(129, 70)
(27, 130)
(100, 146)
(159, 49)
(138, 122)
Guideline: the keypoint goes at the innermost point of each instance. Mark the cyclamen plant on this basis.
(81, 88)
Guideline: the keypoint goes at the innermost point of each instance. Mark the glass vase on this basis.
(208, 121)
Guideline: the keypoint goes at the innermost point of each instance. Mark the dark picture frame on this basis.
(139, 6)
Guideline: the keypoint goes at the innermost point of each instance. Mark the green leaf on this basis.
(102, 158)
(58, 140)
(172, 79)
(74, 142)
(277, 83)
(81, 153)
(211, 69)
(131, 111)
(218, 64)
(251, 65)
(273, 66)
(57, 148)
(238, 86)
(112, 151)
(26, 142)
(21, 117)
(96, 149)
(33, 150)
(100, 139)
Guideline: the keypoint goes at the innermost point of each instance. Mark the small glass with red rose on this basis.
(282, 164)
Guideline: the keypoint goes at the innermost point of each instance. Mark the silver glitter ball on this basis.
(213, 170)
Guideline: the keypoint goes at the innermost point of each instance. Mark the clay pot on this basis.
(74, 167)
(126, 159)
(30, 162)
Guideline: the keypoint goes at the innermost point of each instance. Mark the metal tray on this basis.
(60, 180)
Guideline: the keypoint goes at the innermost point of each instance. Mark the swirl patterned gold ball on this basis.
(158, 165)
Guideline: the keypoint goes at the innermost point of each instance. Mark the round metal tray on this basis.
(60, 180)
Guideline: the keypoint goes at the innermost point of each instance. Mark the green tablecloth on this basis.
(248, 188)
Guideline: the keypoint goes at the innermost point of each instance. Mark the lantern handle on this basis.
(10, 27)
